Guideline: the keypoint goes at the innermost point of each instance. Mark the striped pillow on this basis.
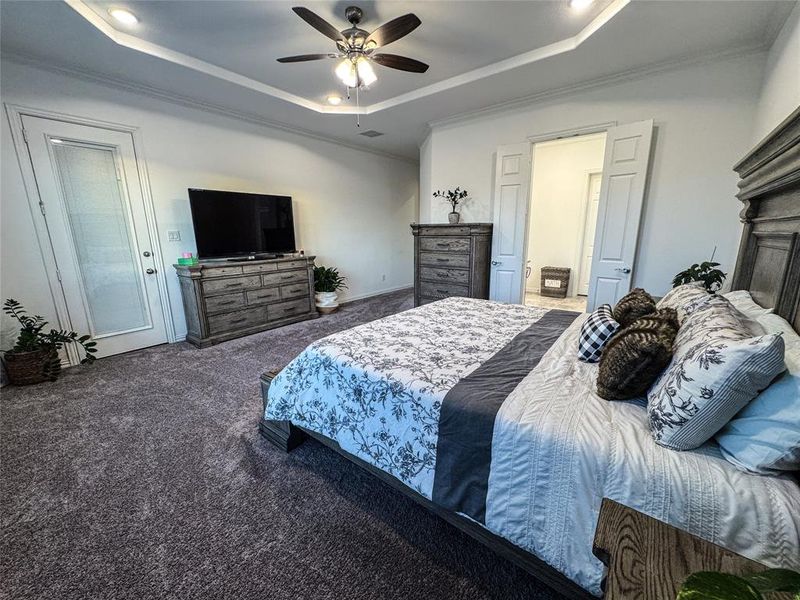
(718, 367)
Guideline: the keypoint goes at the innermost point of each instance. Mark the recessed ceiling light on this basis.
(334, 100)
(579, 4)
(125, 17)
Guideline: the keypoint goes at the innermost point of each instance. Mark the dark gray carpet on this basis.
(144, 476)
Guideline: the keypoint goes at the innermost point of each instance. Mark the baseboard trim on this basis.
(376, 294)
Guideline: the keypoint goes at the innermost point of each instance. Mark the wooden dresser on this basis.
(451, 260)
(226, 300)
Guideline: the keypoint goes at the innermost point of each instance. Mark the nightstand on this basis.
(649, 559)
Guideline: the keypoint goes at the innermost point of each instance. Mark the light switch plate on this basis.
(174, 236)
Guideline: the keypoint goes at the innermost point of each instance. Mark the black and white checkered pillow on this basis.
(596, 331)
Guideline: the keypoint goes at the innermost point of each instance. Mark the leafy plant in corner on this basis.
(711, 585)
(706, 272)
(454, 197)
(327, 279)
(36, 350)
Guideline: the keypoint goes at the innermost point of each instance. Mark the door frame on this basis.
(15, 113)
(549, 136)
(581, 243)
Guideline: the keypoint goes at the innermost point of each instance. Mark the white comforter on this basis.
(559, 448)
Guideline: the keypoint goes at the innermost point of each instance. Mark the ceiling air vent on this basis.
(371, 133)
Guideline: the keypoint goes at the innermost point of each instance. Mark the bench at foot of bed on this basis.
(281, 434)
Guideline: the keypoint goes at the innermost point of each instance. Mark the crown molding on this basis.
(187, 102)
(601, 82)
(135, 43)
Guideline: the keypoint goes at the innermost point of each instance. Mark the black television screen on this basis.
(229, 224)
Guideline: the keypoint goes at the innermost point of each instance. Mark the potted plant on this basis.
(454, 197)
(34, 357)
(326, 281)
(706, 272)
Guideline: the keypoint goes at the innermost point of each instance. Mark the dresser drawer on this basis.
(263, 296)
(447, 230)
(241, 319)
(215, 304)
(444, 260)
(288, 277)
(234, 283)
(442, 290)
(221, 271)
(262, 268)
(291, 264)
(444, 275)
(444, 244)
(288, 309)
(294, 290)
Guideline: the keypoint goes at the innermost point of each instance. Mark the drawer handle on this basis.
(443, 245)
(289, 309)
(443, 260)
(235, 321)
(442, 291)
(441, 275)
(233, 285)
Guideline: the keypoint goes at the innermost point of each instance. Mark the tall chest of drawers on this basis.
(451, 260)
(226, 300)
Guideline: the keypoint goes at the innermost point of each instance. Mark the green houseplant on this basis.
(34, 357)
(454, 198)
(327, 281)
(710, 585)
(705, 272)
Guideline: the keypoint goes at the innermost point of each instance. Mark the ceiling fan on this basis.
(356, 47)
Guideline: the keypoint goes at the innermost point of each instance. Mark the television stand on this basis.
(224, 300)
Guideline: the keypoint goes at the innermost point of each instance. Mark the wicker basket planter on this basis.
(555, 281)
(26, 368)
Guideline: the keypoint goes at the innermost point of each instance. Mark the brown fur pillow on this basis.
(637, 355)
(632, 306)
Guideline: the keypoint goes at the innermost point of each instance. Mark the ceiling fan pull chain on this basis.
(358, 109)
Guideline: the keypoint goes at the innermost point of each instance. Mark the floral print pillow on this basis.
(684, 296)
(717, 368)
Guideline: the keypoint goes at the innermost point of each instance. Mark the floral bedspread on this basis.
(377, 389)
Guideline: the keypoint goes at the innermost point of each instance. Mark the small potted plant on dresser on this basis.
(327, 281)
(34, 357)
(454, 198)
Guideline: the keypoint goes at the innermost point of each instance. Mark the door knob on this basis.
(146, 253)
(623, 269)
(495, 262)
(150, 271)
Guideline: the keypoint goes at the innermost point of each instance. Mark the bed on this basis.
(481, 412)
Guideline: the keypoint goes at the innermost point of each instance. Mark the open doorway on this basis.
(565, 194)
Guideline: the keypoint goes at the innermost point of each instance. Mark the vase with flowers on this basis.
(454, 198)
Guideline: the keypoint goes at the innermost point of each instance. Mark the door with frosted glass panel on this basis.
(88, 182)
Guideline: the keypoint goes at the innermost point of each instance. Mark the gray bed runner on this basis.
(466, 421)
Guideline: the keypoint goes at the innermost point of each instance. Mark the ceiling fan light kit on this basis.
(355, 46)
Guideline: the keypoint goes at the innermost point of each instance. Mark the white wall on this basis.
(559, 189)
(352, 208)
(703, 116)
(780, 93)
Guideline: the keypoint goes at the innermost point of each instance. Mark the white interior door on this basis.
(589, 228)
(619, 211)
(511, 190)
(89, 186)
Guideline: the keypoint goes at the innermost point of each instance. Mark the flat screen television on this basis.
(234, 224)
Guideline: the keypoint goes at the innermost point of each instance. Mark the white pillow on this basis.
(743, 301)
(764, 437)
(717, 368)
(681, 297)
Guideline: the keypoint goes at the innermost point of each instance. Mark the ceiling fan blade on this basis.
(304, 58)
(319, 23)
(400, 62)
(393, 30)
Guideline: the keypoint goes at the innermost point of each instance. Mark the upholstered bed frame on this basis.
(768, 266)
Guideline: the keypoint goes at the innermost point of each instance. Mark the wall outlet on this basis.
(174, 236)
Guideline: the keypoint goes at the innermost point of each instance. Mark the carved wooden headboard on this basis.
(768, 264)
